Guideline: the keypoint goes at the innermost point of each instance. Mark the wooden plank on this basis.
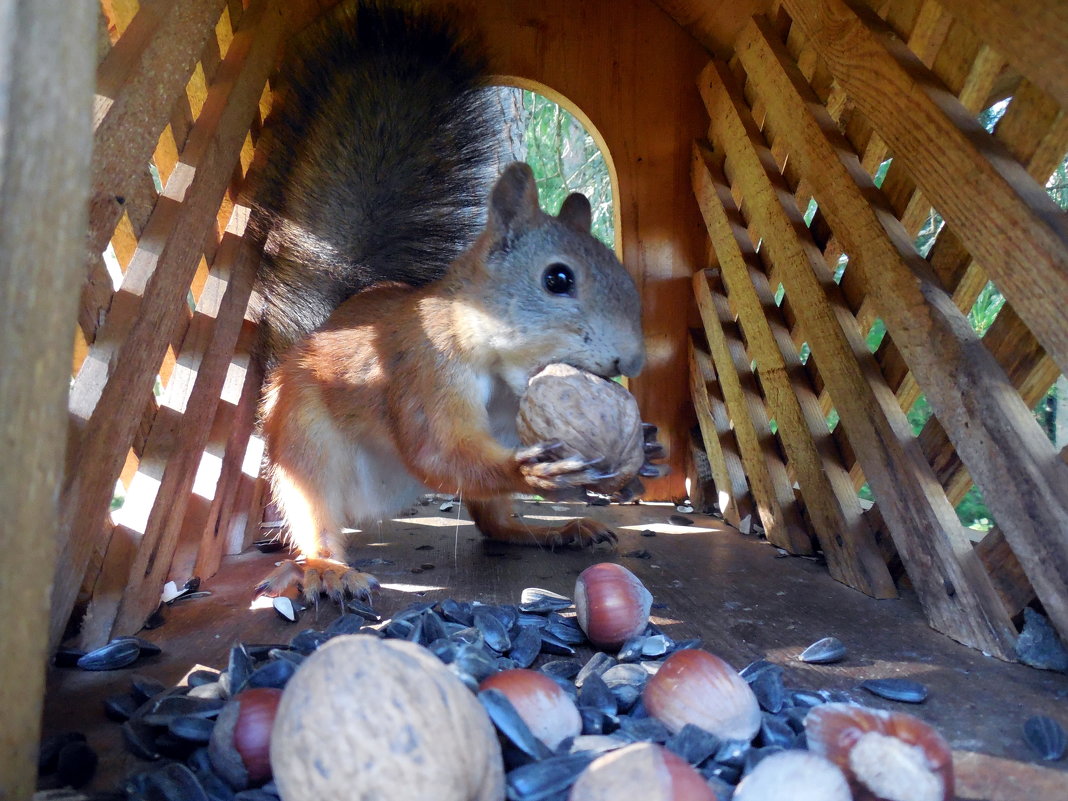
(764, 467)
(956, 593)
(174, 239)
(732, 487)
(837, 518)
(1031, 35)
(204, 360)
(216, 538)
(1004, 217)
(137, 85)
(993, 431)
(1036, 132)
(988, 778)
(1007, 574)
(1030, 372)
(45, 143)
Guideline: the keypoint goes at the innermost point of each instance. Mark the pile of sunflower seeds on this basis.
(170, 727)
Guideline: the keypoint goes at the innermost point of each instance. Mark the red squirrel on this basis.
(399, 341)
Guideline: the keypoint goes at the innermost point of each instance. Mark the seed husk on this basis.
(1046, 736)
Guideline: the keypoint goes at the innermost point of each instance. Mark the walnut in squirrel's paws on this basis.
(589, 415)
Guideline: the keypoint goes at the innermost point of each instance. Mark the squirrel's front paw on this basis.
(551, 467)
(319, 576)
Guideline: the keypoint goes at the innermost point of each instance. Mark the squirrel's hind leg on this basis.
(315, 534)
(494, 519)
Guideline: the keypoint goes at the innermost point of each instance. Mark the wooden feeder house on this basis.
(773, 163)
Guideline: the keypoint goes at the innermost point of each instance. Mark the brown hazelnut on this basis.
(694, 686)
(885, 755)
(611, 604)
(642, 770)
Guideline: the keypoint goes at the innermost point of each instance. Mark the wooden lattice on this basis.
(818, 96)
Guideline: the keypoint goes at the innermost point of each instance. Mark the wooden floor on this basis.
(737, 593)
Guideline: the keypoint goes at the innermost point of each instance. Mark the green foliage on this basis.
(561, 152)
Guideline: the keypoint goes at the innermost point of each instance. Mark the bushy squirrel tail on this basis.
(374, 164)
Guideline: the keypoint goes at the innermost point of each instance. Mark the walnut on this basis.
(596, 417)
(371, 718)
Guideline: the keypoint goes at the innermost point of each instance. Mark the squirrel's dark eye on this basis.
(559, 279)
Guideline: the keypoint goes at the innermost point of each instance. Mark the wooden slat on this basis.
(951, 585)
(1003, 216)
(137, 85)
(172, 242)
(993, 431)
(226, 511)
(1031, 35)
(45, 142)
(204, 360)
(847, 542)
(764, 467)
(732, 488)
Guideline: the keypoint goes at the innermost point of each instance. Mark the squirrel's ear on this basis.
(576, 212)
(513, 203)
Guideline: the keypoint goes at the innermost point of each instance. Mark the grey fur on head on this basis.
(374, 164)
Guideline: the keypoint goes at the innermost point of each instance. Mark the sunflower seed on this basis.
(48, 752)
(1046, 737)
(118, 653)
(76, 763)
(547, 778)
(825, 651)
(693, 744)
(904, 690)
(511, 725)
(526, 647)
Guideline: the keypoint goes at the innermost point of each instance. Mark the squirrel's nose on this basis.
(630, 365)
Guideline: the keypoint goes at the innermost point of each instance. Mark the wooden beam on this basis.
(993, 431)
(1030, 35)
(137, 86)
(832, 504)
(954, 590)
(764, 467)
(1002, 215)
(45, 143)
(120, 372)
(728, 473)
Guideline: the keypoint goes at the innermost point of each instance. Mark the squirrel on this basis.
(399, 336)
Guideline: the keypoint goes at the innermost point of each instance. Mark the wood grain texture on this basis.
(721, 446)
(714, 25)
(137, 86)
(847, 542)
(116, 378)
(988, 778)
(45, 142)
(956, 592)
(992, 429)
(764, 467)
(1031, 35)
(1003, 216)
